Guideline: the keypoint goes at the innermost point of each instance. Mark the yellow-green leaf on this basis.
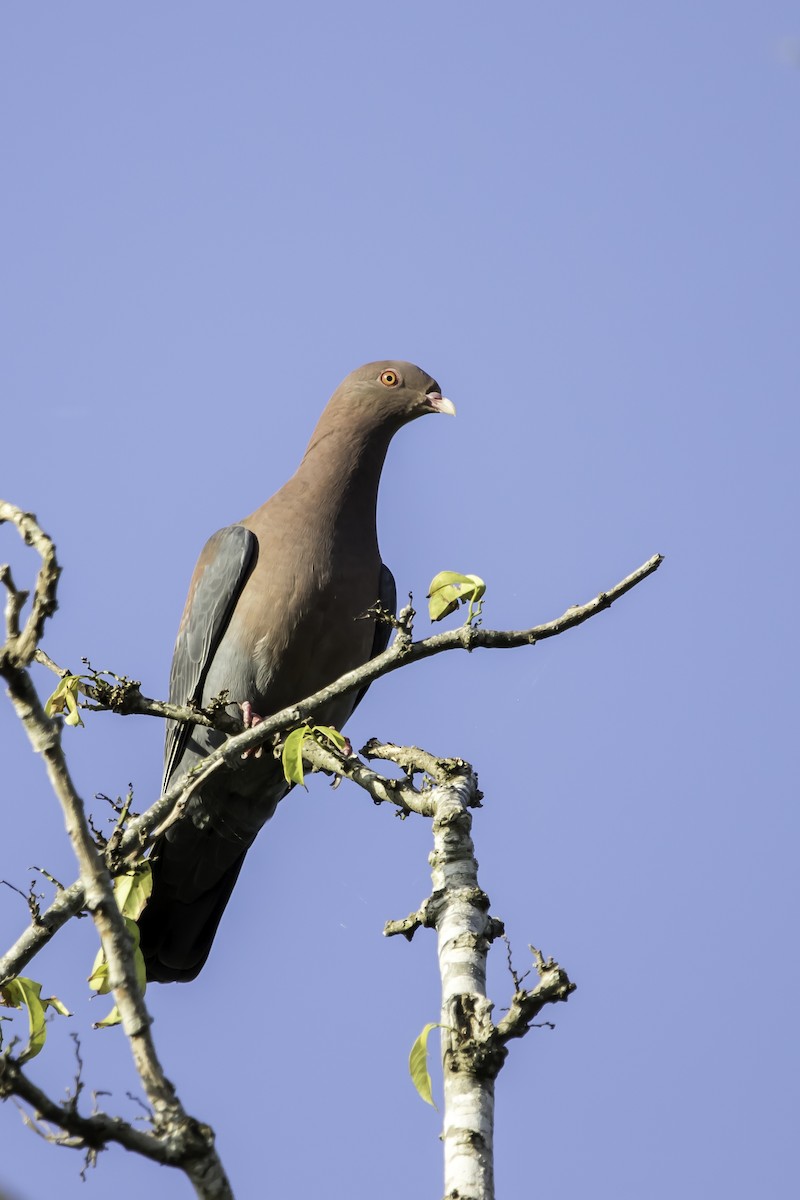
(448, 589)
(113, 1018)
(98, 979)
(26, 993)
(99, 982)
(65, 697)
(333, 735)
(292, 756)
(418, 1064)
(138, 957)
(133, 889)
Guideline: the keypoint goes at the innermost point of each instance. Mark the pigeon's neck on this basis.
(342, 465)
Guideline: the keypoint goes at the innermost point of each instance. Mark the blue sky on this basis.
(583, 221)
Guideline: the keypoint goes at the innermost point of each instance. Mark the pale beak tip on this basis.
(441, 404)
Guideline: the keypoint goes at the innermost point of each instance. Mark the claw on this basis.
(251, 719)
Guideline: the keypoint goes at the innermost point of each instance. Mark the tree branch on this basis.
(554, 985)
(83, 1133)
(127, 700)
(19, 647)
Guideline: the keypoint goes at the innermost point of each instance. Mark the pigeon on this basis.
(275, 611)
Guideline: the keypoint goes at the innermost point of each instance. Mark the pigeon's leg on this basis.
(251, 719)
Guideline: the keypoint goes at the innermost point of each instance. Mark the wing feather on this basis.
(224, 564)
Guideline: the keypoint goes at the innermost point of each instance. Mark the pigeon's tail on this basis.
(190, 892)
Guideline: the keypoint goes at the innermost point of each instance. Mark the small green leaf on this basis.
(418, 1064)
(448, 589)
(133, 889)
(292, 756)
(22, 992)
(65, 697)
(99, 976)
(114, 1017)
(98, 979)
(138, 957)
(333, 735)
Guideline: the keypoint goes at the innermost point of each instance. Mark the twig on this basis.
(554, 986)
(20, 647)
(94, 1132)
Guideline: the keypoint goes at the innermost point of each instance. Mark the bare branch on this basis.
(71, 1129)
(127, 699)
(554, 985)
(19, 647)
(31, 898)
(68, 903)
(15, 601)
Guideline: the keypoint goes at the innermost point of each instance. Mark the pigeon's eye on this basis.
(390, 378)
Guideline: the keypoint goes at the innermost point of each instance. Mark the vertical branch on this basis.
(458, 910)
(464, 933)
(473, 1048)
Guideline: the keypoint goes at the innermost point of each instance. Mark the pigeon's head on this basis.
(391, 393)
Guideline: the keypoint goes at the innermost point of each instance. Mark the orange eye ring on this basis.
(390, 378)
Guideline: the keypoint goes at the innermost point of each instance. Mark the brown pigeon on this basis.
(275, 612)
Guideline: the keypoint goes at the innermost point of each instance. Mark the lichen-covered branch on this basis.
(473, 1047)
(554, 986)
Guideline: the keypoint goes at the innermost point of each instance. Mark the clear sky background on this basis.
(583, 221)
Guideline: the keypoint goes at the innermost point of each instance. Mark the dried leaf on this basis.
(65, 697)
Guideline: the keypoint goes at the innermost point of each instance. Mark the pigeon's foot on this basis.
(251, 719)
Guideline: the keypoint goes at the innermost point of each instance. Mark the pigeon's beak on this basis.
(436, 402)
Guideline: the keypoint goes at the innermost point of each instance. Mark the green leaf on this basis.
(133, 889)
(26, 993)
(98, 978)
(100, 975)
(448, 589)
(418, 1064)
(138, 957)
(65, 697)
(333, 735)
(129, 899)
(113, 1018)
(292, 756)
